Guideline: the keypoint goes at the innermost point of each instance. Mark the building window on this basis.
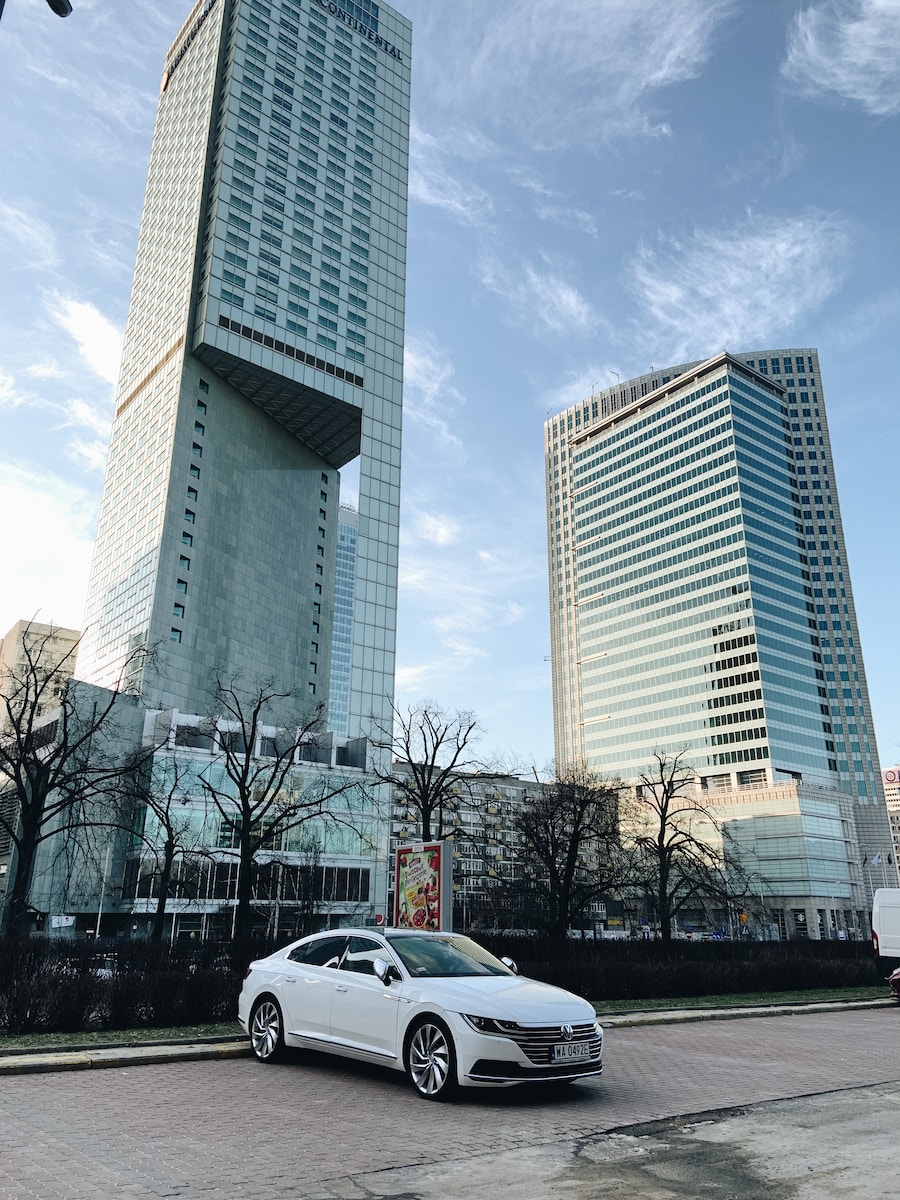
(184, 563)
(181, 586)
(178, 610)
(192, 493)
(199, 429)
(203, 385)
(201, 406)
(190, 516)
(194, 471)
(174, 635)
(197, 450)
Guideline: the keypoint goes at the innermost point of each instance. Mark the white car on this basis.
(436, 1005)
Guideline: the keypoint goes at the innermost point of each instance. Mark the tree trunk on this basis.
(165, 876)
(26, 850)
(664, 906)
(243, 914)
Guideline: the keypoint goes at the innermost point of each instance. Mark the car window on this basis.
(325, 952)
(362, 954)
(430, 956)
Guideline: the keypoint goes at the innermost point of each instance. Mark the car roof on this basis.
(382, 931)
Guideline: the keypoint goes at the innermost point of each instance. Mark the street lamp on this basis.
(62, 8)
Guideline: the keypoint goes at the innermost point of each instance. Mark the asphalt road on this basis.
(800, 1107)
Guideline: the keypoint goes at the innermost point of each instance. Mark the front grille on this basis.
(535, 1043)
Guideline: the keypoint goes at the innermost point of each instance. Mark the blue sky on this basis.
(597, 187)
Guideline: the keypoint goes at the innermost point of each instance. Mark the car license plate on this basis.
(568, 1051)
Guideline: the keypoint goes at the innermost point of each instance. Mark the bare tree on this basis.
(568, 850)
(58, 757)
(261, 733)
(679, 842)
(429, 751)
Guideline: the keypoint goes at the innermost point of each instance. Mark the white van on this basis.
(886, 928)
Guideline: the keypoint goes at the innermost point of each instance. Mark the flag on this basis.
(876, 859)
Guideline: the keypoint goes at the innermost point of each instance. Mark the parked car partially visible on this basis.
(894, 981)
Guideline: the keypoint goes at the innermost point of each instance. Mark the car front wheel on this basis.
(266, 1031)
(431, 1060)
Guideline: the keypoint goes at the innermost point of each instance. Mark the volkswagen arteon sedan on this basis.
(435, 1005)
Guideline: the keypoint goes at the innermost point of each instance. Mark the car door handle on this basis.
(341, 987)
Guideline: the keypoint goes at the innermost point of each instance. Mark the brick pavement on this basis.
(230, 1129)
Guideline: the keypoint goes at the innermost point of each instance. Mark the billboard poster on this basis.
(423, 890)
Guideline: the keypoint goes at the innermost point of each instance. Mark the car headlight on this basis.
(490, 1025)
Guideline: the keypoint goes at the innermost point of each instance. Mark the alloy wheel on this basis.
(266, 1037)
(430, 1061)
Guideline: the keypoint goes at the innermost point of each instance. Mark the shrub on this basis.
(618, 970)
(61, 986)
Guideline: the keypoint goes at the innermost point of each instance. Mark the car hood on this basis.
(503, 997)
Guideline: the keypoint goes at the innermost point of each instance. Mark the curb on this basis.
(29, 1062)
(683, 1016)
(34, 1062)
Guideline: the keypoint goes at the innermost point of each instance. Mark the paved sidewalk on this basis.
(26, 1062)
(824, 1089)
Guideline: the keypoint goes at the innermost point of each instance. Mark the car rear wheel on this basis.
(266, 1031)
(431, 1060)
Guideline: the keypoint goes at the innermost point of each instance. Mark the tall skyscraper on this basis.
(263, 352)
(700, 595)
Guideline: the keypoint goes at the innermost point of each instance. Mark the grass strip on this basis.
(745, 1000)
(15, 1043)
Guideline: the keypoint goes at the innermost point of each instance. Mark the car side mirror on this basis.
(508, 962)
(385, 971)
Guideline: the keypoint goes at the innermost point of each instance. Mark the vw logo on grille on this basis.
(567, 1031)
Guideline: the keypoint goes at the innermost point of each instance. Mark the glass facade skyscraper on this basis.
(699, 589)
(263, 352)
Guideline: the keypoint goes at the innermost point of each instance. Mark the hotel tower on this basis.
(262, 355)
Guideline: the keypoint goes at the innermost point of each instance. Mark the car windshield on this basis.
(427, 955)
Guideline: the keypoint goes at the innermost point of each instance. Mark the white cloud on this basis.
(850, 48)
(539, 296)
(569, 218)
(89, 454)
(99, 340)
(10, 394)
(430, 399)
(47, 546)
(611, 56)
(726, 288)
(35, 238)
(49, 368)
(437, 528)
(430, 180)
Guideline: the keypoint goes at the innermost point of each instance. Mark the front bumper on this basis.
(494, 1071)
(525, 1054)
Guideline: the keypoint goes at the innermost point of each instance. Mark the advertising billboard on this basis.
(423, 893)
